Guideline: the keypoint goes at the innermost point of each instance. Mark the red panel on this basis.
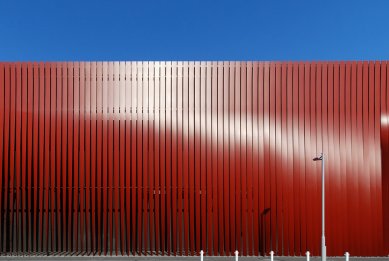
(249, 150)
(180, 228)
(2, 134)
(208, 109)
(99, 144)
(214, 160)
(7, 110)
(104, 247)
(197, 159)
(174, 158)
(168, 151)
(92, 191)
(219, 147)
(53, 87)
(83, 243)
(231, 117)
(57, 171)
(110, 173)
(284, 151)
(157, 159)
(128, 154)
(203, 156)
(116, 137)
(342, 146)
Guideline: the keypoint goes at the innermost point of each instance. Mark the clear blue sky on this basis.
(194, 30)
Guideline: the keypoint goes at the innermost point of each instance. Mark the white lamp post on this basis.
(323, 238)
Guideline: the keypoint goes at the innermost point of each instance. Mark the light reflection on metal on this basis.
(177, 157)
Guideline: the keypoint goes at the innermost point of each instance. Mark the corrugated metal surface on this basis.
(173, 157)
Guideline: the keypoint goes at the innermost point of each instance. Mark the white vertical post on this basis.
(202, 255)
(347, 255)
(307, 253)
(236, 255)
(271, 256)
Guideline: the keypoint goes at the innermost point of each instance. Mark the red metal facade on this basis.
(171, 158)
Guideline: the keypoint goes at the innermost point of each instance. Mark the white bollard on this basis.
(202, 255)
(271, 255)
(236, 255)
(307, 253)
(347, 255)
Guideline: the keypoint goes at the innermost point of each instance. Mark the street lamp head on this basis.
(318, 158)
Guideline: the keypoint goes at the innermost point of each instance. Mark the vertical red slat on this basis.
(47, 153)
(384, 235)
(238, 191)
(151, 130)
(82, 174)
(231, 113)
(308, 182)
(255, 158)
(249, 142)
(354, 140)
(128, 154)
(87, 151)
(33, 138)
(272, 156)
(319, 142)
(105, 238)
(2, 110)
(244, 154)
(116, 118)
(99, 159)
(134, 141)
(302, 156)
(185, 171)
(174, 157)
(330, 157)
(93, 162)
(145, 89)
(180, 195)
(122, 143)
(24, 111)
(266, 179)
(289, 179)
(208, 110)
(139, 156)
(110, 155)
(53, 93)
(359, 153)
(7, 109)
(17, 237)
(334, 77)
(278, 175)
(362, 102)
(296, 165)
(168, 109)
(70, 157)
(372, 170)
(284, 170)
(64, 134)
(261, 172)
(58, 208)
(203, 160)
(191, 136)
(349, 163)
(197, 159)
(76, 112)
(214, 160)
(378, 158)
(342, 148)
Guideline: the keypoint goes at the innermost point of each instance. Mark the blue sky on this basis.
(193, 30)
